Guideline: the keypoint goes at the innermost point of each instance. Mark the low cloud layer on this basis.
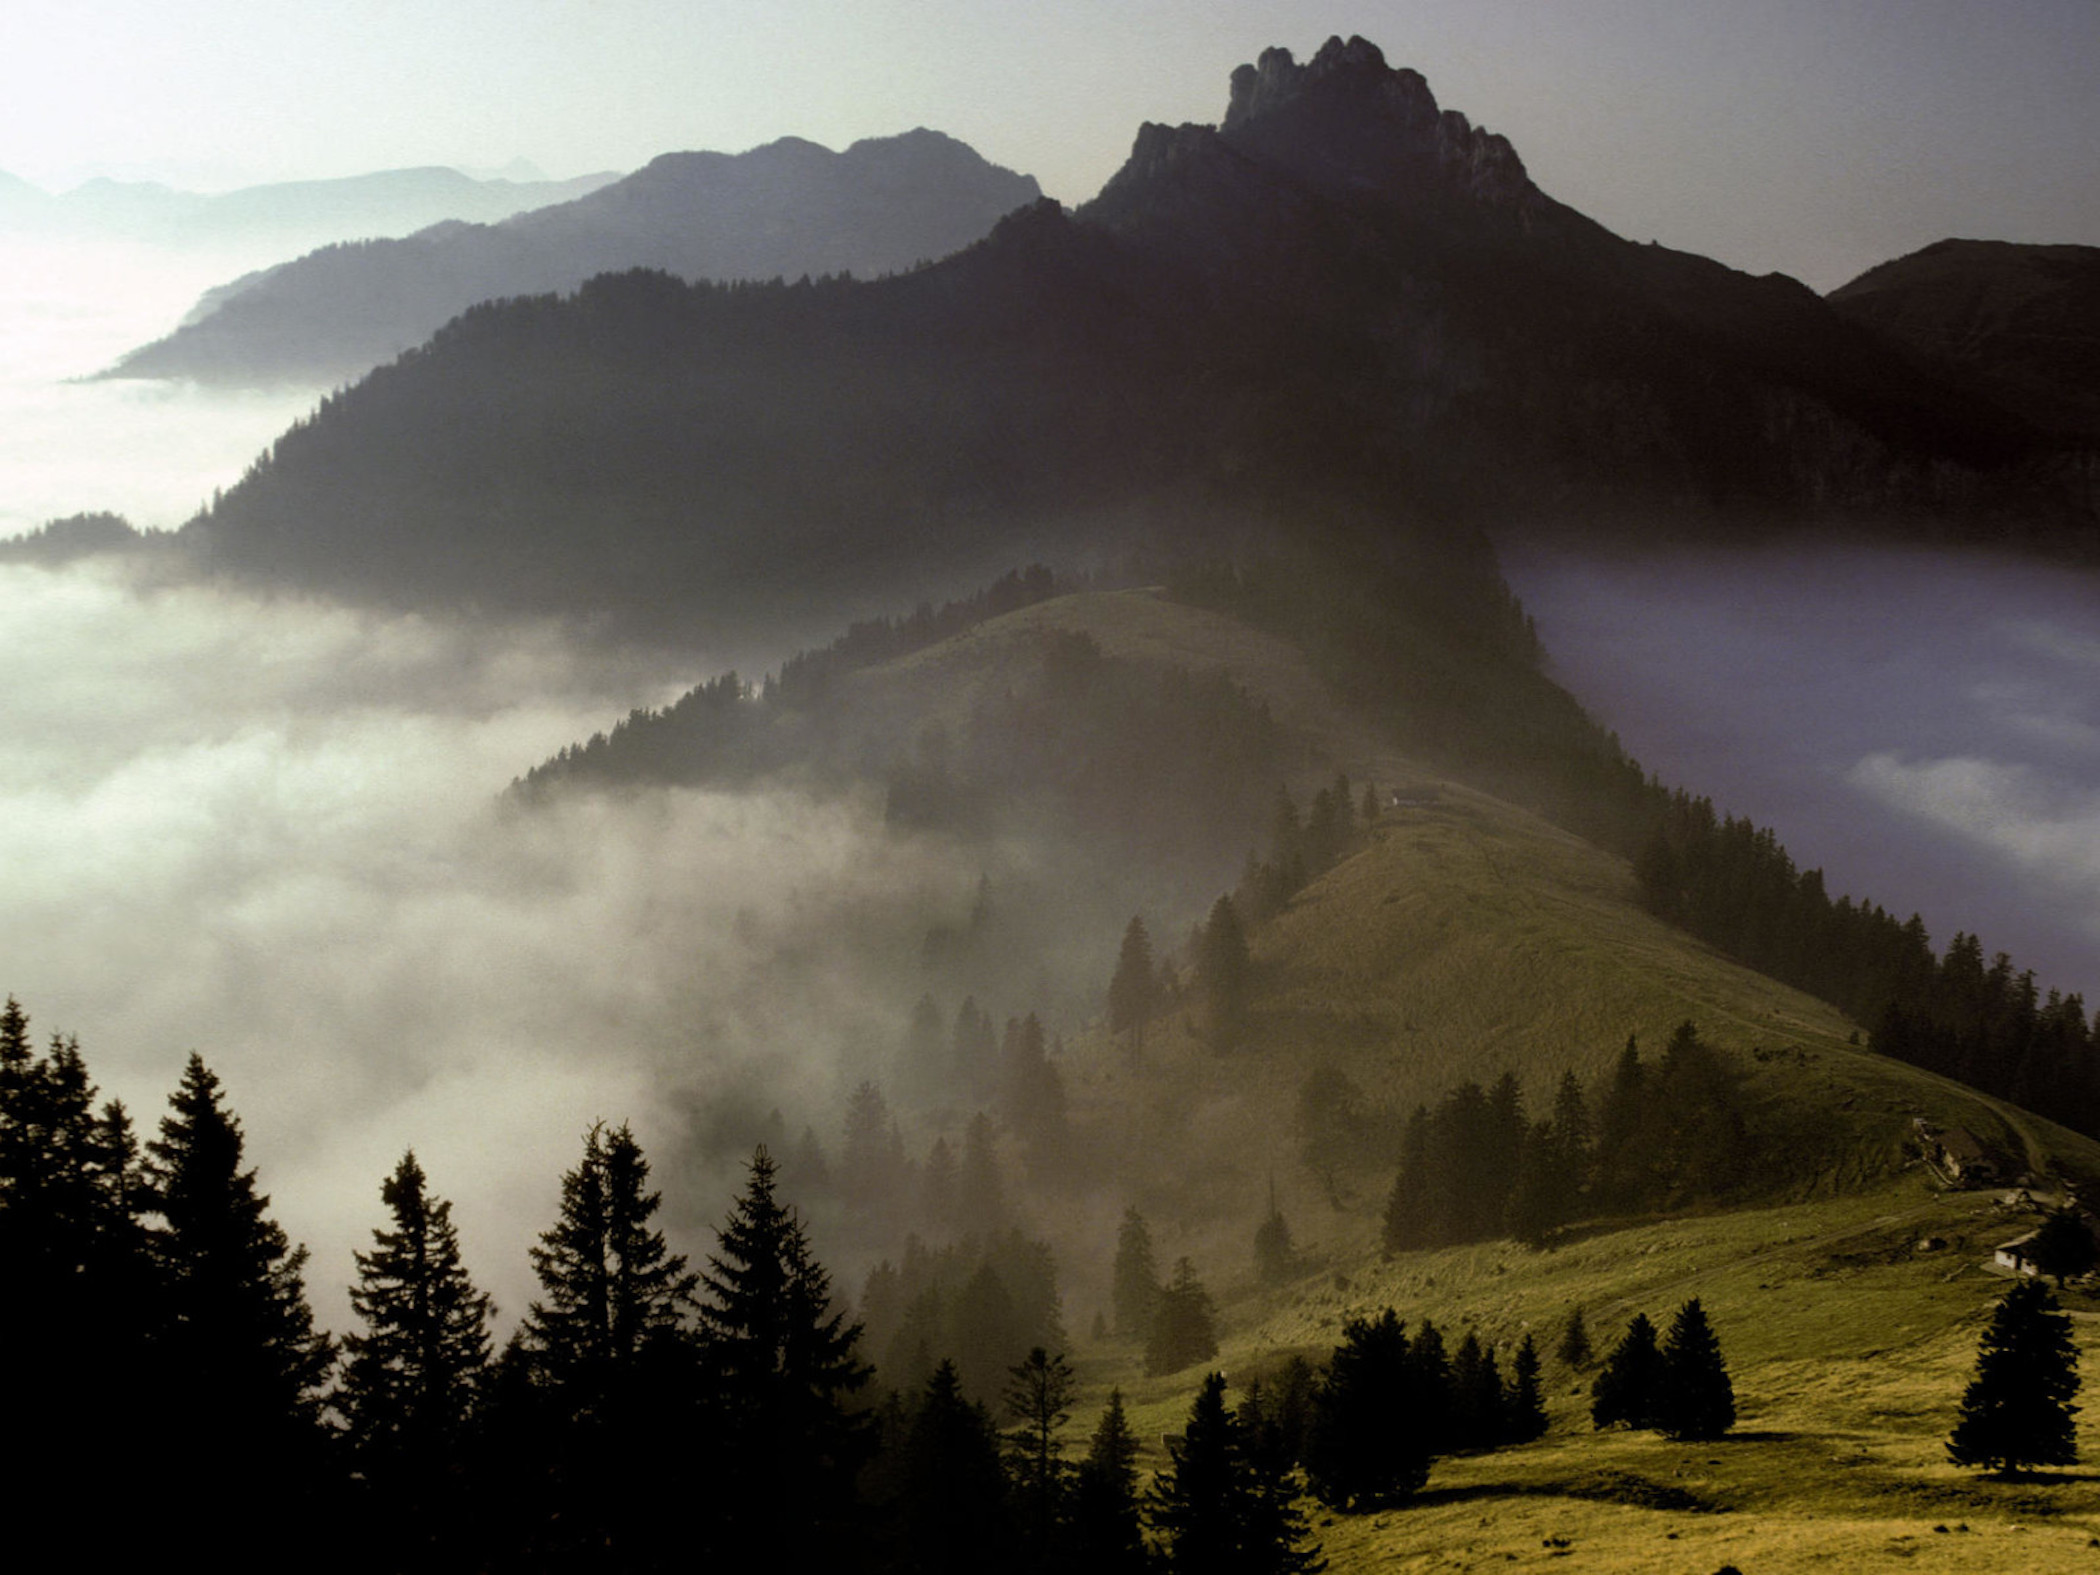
(1925, 726)
(274, 833)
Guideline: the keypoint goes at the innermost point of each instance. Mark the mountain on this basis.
(1343, 299)
(788, 208)
(2021, 322)
(287, 214)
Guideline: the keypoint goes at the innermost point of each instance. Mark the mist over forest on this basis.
(643, 720)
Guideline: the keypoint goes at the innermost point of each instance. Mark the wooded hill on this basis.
(1341, 294)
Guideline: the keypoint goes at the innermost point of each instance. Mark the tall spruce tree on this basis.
(783, 1358)
(1038, 1402)
(611, 1287)
(1184, 1324)
(1106, 1529)
(1217, 1510)
(1695, 1398)
(412, 1378)
(1224, 971)
(1626, 1392)
(1133, 990)
(1134, 1278)
(242, 1364)
(2018, 1411)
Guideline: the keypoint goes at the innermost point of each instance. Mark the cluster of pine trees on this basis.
(1475, 1167)
(1390, 1403)
(1176, 1319)
(1730, 883)
(1679, 1388)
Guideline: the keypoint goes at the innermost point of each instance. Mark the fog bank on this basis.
(1922, 725)
(273, 832)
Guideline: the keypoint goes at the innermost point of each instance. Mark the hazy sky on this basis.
(1813, 136)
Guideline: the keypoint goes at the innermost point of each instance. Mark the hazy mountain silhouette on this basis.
(1341, 293)
(291, 214)
(788, 208)
(2023, 322)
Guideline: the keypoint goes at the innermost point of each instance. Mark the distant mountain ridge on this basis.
(2023, 321)
(1344, 301)
(788, 208)
(300, 214)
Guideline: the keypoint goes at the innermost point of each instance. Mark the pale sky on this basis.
(1811, 136)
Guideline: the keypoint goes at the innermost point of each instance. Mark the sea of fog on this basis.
(1924, 726)
(152, 452)
(274, 832)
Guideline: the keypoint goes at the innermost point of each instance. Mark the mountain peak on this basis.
(1348, 119)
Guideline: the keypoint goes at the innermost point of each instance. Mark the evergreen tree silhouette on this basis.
(1184, 1324)
(1217, 1511)
(1038, 1401)
(1574, 1349)
(1694, 1397)
(950, 1515)
(784, 1360)
(1368, 1446)
(611, 1364)
(1626, 1392)
(1134, 1278)
(412, 1379)
(243, 1365)
(1133, 990)
(1524, 1411)
(2017, 1411)
(1106, 1530)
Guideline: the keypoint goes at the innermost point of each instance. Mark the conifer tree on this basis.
(1223, 970)
(612, 1288)
(243, 1365)
(412, 1378)
(2018, 1411)
(1106, 1531)
(1524, 1411)
(1038, 1401)
(1410, 1220)
(1694, 1397)
(1184, 1324)
(1575, 1350)
(1626, 1392)
(1134, 1283)
(1216, 1511)
(785, 1364)
(950, 1513)
(1133, 990)
(1368, 1446)
(1274, 1260)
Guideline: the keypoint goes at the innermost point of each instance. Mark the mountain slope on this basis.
(2020, 321)
(1343, 294)
(785, 209)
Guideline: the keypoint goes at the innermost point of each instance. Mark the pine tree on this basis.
(1694, 1398)
(1038, 1401)
(1274, 1259)
(612, 1287)
(1626, 1391)
(243, 1364)
(1524, 1408)
(1133, 991)
(1216, 1511)
(1368, 1446)
(1184, 1324)
(785, 1363)
(950, 1510)
(2018, 1411)
(1105, 1529)
(1410, 1209)
(411, 1379)
(1134, 1281)
(1574, 1349)
(1223, 970)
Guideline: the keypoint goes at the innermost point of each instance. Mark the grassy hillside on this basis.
(1465, 937)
